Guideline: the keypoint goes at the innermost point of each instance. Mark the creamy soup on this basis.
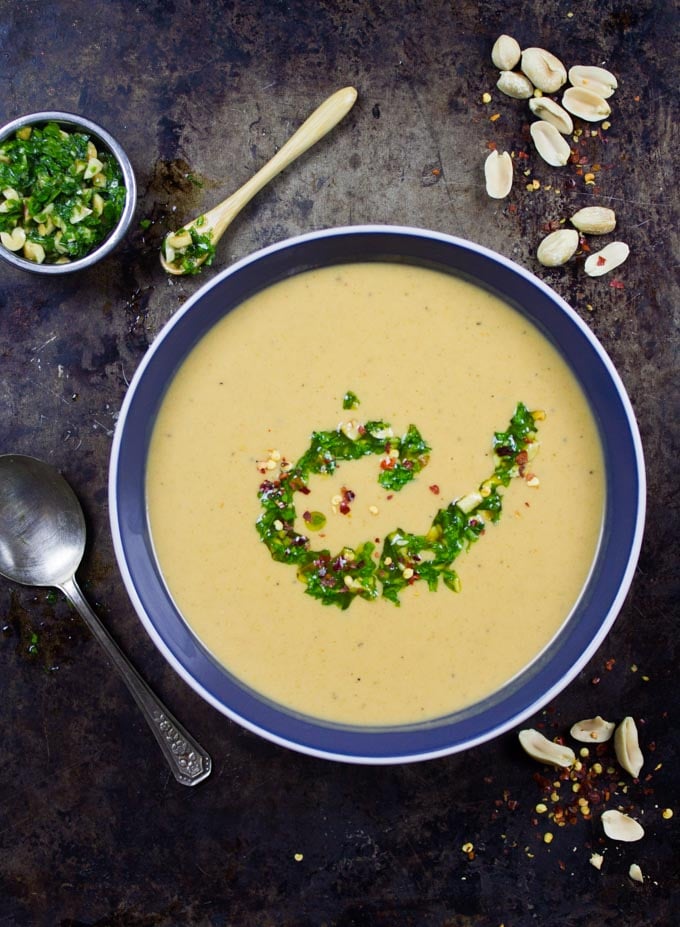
(414, 346)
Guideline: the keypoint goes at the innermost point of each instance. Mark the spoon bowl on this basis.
(42, 542)
(211, 225)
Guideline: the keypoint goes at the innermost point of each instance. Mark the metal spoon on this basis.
(42, 541)
(214, 223)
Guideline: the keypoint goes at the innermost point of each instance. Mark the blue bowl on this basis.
(601, 599)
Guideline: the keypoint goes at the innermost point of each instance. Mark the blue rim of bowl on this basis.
(580, 635)
(116, 234)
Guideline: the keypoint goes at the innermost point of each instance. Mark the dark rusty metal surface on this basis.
(94, 830)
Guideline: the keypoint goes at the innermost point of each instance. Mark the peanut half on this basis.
(546, 751)
(599, 80)
(611, 256)
(552, 112)
(627, 748)
(592, 730)
(585, 104)
(618, 826)
(498, 174)
(550, 144)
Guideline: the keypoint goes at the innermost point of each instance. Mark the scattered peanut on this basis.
(627, 748)
(546, 751)
(505, 53)
(599, 80)
(585, 104)
(550, 111)
(498, 174)
(611, 256)
(635, 873)
(592, 730)
(550, 144)
(558, 247)
(543, 69)
(594, 220)
(618, 826)
(516, 85)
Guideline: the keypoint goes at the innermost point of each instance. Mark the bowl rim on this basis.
(117, 234)
(409, 743)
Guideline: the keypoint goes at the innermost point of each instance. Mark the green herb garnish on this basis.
(60, 196)
(350, 400)
(336, 579)
(189, 249)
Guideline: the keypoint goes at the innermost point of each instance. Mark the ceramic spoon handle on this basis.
(189, 762)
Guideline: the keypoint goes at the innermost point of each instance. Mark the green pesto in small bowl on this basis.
(66, 193)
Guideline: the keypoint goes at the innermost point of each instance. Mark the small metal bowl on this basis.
(103, 140)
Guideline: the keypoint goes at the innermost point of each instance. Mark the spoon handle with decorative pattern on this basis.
(188, 761)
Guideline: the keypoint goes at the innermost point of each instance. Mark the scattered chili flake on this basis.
(609, 664)
(616, 284)
(492, 146)
(601, 261)
(434, 488)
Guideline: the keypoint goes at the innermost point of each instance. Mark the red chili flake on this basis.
(434, 489)
(512, 208)
(390, 496)
(492, 146)
(584, 244)
(595, 680)
(601, 261)
(436, 171)
(609, 664)
(616, 285)
(387, 464)
(523, 155)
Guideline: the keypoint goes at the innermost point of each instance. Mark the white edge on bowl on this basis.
(606, 624)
